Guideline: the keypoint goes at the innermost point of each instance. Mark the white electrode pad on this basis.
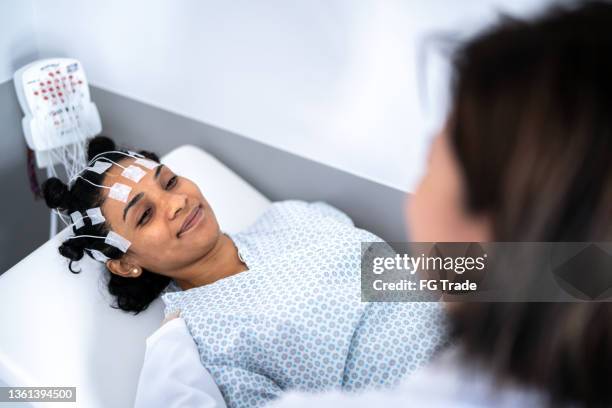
(95, 216)
(77, 219)
(134, 153)
(149, 164)
(133, 173)
(120, 192)
(117, 241)
(98, 256)
(99, 167)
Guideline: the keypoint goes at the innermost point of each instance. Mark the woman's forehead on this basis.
(119, 165)
(127, 171)
(129, 186)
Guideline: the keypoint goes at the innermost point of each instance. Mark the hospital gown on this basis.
(295, 319)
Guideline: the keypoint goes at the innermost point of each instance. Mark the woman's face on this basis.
(435, 212)
(154, 217)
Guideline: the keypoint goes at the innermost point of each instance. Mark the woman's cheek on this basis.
(154, 239)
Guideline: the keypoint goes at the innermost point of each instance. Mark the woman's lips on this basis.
(192, 220)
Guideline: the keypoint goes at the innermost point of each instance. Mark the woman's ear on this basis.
(122, 268)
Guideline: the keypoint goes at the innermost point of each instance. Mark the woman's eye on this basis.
(145, 217)
(171, 183)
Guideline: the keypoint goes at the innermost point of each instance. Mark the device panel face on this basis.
(54, 96)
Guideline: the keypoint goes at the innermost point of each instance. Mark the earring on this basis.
(135, 271)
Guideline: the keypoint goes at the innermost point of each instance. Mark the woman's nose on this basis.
(177, 204)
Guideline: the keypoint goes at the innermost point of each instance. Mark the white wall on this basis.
(332, 80)
(17, 36)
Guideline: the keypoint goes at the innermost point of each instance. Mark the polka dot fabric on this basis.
(295, 319)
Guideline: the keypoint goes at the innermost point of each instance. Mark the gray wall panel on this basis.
(24, 221)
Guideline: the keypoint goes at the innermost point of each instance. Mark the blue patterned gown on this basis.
(295, 319)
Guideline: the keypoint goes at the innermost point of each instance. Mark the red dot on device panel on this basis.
(45, 98)
(80, 82)
(35, 92)
(57, 72)
(50, 73)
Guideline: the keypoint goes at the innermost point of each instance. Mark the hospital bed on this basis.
(57, 328)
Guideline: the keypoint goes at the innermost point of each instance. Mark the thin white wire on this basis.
(86, 236)
(106, 158)
(79, 174)
(113, 151)
(73, 158)
(61, 216)
(78, 159)
(71, 150)
(95, 236)
(92, 183)
(74, 155)
(64, 215)
(52, 159)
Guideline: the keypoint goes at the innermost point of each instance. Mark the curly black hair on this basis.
(132, 294)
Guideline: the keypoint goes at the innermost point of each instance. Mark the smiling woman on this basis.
(158, 216)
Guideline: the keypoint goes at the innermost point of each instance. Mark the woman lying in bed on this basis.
(274, 307)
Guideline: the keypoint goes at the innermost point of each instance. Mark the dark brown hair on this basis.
(131, 294)
(531, 126)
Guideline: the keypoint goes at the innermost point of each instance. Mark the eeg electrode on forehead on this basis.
(118, 191)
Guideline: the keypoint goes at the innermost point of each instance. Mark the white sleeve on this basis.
(333, 399)
(172, 375)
